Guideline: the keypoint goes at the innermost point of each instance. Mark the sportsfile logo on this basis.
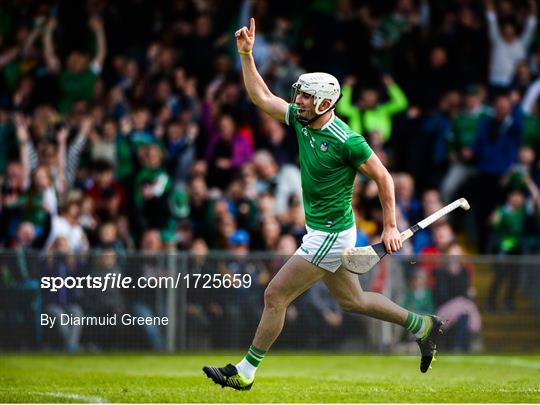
(116, 280)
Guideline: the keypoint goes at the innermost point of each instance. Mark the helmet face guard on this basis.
(295, 90)
(321, 86)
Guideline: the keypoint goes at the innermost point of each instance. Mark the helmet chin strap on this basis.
(305, 122)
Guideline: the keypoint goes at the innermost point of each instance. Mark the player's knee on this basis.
(273, 299)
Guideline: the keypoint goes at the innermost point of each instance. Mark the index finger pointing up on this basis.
(252, 26)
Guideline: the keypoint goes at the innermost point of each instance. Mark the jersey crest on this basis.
(324, 146)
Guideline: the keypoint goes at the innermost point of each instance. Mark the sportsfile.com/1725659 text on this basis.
(116, 280)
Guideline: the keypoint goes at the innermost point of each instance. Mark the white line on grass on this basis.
(489, 360)
(76, 397)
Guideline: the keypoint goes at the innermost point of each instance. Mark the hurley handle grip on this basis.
(407, 234)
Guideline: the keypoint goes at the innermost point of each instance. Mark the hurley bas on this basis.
(107, 320)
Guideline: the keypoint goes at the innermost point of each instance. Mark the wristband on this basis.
(245, 52)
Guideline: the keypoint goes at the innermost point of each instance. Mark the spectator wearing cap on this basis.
(239, 241)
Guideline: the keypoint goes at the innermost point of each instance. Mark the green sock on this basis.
(418, 325)
(254, 356)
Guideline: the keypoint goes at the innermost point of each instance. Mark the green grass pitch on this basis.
(282, 378)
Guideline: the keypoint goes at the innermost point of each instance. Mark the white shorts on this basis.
(324, 249)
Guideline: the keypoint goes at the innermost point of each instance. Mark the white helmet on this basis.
(321, 86)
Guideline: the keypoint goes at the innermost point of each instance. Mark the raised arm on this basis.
(23, 136)
(7, 56)
(39, 22)
(374, 169)
(96, 24)
(61, 182)
(534, 191)
(493, 26)
(346, 107)
(75, 149)
(530, 25)
(257, 89)
(398, 100)
(529, 100)
(52, 61)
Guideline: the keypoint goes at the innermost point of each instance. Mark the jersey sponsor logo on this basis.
(324, 146)
(329, 223)
(303, 249)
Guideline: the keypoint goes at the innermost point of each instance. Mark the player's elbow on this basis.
(261, 99)
(383, 179)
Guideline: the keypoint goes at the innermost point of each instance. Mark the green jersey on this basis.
(329, 160)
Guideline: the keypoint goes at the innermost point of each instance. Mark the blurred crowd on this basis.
(113, 129)
(126, 123)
